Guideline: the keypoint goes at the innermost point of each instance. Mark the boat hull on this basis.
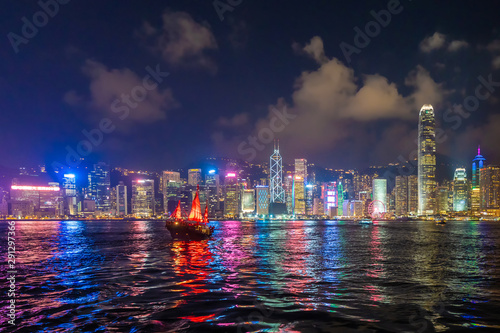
(188, 231)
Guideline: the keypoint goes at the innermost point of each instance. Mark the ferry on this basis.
(194, 227)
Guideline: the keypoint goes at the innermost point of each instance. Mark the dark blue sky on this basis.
(226, 77)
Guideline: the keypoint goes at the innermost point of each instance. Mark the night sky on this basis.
(227, 79)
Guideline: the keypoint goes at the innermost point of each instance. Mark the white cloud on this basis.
(457, 45)
(315, 50)
(182, 41)
(434, 42)
(109, 85)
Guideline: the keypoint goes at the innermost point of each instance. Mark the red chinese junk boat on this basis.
(195, 226)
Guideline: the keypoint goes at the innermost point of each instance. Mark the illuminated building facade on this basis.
(171, 182)
(329, 195)
(460, 190)
(401, 196)
(477, 165)
(426, 161)
(42, 201)
(489, 184)
(262, 199)
(442, 195)
(340, 199)
(212, 182)
(194, 177)
(70, 198)
(231, 195)
(380, 195)
(143, 198)
(99, 187)
(299, 196)
(301, 168)
(121, 200)
(248, 201)
(412, 195)
(310, 199)
(277, 192)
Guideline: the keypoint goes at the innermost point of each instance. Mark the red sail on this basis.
(195, 214)
(205, 216)
(177, 214)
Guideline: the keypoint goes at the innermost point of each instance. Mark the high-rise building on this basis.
(121, 200)
(171, 181)
(42, 201)
(380, 195)
(426, 161)
(248, 201)
(99, 187)
(310, 190)
(460, 190)
(194, 177)
(277, 192)
(212, 182)
(278, 203)
(401, 196)
(340, 199)
(329, 195)
(70, 198)
(477, 165)
(299, 196)
(143, 198)
(231, 195)
(412, 195)
(301, 168)
(262, 199)
(442, 194)
(489, 184)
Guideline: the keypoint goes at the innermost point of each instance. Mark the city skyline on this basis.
(247, 82)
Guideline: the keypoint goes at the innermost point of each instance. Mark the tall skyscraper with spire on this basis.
(277, 193)
(477, 165)
(426, 161)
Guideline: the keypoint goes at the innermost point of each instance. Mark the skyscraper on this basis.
(299, 196)
(477, 165)
(401, 195)
(489, 184)
(460, 190)
(121, 200)
(231, 195)
(99, 187)
(380, 195)
(340, 198)
(301, 168)
(212, 182)
(412, 195)
(70, 202)
(426, 161)
(194, 177)
(143, 198)
(171, 181)
(276, 177)
(262, 199)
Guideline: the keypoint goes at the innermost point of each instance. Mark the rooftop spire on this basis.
(479, 149)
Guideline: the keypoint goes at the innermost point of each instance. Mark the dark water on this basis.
(304, 276)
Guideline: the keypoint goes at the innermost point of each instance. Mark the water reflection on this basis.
(131, 276)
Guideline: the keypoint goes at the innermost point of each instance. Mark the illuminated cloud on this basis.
(110, 87)
(182, 42)
(434, 42)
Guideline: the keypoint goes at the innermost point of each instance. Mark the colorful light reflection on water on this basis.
(254, 276)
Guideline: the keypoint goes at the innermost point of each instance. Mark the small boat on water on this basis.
(441, 222)
(195, 227)
(365, 222)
